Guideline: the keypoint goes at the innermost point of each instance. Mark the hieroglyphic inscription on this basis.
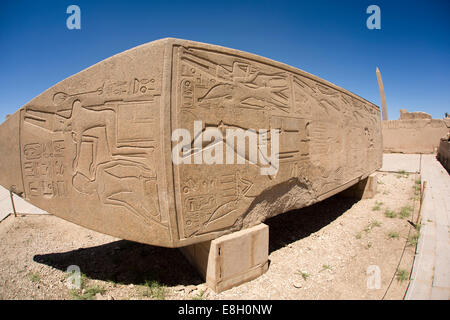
(214, 194)
(43, 169)
(326, 135)
(113, 130)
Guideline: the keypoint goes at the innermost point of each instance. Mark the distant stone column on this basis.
(383, 96)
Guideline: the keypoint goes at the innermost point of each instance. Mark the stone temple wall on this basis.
(414, 132)
(443, 154)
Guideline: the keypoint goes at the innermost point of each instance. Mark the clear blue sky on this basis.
(326, 38)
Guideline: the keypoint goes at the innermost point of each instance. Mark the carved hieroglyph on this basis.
(95, 149)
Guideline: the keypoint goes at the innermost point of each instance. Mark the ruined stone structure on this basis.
(405, 115)
(414, 132)
(443, 154)
(96, 148)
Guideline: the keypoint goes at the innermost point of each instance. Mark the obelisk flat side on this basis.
(10, 169)
(328, 138)
(89, 148)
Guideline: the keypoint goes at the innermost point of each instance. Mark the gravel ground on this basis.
(319, 252)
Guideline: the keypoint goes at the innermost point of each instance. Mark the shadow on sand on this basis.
(129, 262)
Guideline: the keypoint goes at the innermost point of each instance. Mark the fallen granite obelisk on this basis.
(98, 148)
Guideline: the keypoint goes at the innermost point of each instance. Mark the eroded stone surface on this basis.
(413, 136)
(405, 115)
(232, 259)
(443, 154)
(96, 148)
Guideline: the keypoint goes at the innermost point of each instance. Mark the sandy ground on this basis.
(320, 252)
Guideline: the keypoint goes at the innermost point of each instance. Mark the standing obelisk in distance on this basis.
(383, 96)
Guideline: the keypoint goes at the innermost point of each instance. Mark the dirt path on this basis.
(320, 252)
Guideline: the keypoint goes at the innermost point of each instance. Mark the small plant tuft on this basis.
(402, 275)
(402, 174)
(393, 235)
(413, 239)
(374, 224)
(35, 277)
(88, 294)
(377, 206)
(154, 290)
(325, 267)
(304, 275)
(198, 297)
(417, 187)
(390, 214)
(405, 212)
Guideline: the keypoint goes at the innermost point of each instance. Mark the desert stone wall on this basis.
(96, 148)
(405, 115)
(443, 154)
(416, 135)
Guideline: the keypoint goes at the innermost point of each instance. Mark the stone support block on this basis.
(232, 259)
